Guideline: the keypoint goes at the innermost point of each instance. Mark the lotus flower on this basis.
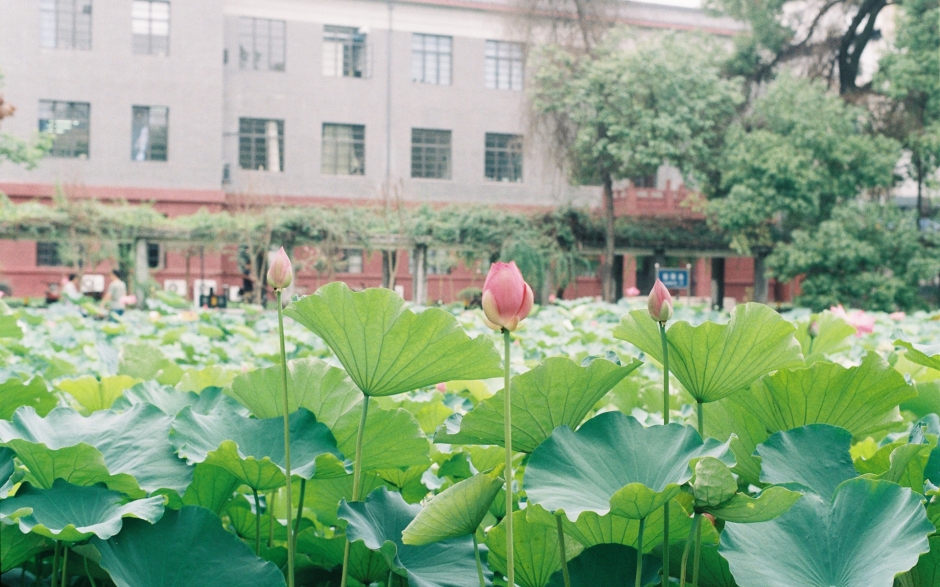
(632, 291)
(862, 323)
(280, 273)
(507, 298)
(128, 300)
(660, 302)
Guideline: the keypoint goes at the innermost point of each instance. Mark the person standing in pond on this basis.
(116, 294)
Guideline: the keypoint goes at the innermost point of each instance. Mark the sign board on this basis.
(92, 283)
(674, 278)
(177, 286)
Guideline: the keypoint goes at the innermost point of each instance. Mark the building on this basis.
(194, 104)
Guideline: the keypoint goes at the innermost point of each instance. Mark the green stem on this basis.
(287, 474)
(65, 564)
(662, 336)
(55, 562)
(685, 551)
(257, 522)
(698, 552)
(507, 439)
(38, 569)
(639, 553)
(476, 553)
(87, 572)
(270, 510)
(561, 551)
(390, 574)
(809, 351)
(357, 472)
(701, 419)
(300, 509)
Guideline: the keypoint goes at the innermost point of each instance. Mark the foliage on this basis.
(867, 255)
(18, 151)
(121, 447)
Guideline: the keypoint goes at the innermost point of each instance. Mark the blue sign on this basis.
(674, 278)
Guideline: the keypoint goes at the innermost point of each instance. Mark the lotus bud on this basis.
(813, 329)
(660, 303)
(280, 273)
(507, 298)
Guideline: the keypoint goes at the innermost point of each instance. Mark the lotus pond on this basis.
(149, 451)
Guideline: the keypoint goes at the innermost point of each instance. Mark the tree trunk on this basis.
(718, 283)
(608, 281)
(760, 277)
(388, 269)
(919, 165)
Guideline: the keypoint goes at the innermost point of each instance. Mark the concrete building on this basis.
(192, 104)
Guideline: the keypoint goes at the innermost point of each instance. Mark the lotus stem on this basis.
(476, 554)
(65, 565)
(287, 472)
(662, 336)
(698, 551)
(257, 522)
(87, 572)
(55, 562)
(270, 510)
(390, 575)
(300, 509)
(357, 472)
(507, 438)
(39, 568)
(685, 551)
(639, 553)
(701, 418)
(561, 551)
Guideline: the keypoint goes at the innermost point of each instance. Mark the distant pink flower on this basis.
(552, 298)
(441, 387)
(632, 291)
(507, 298)
(128, 300)
(862, 323)
(897, 315)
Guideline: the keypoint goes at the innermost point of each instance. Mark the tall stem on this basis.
(662, 336)
(639, 553)
(357, 472)
(507, 439)
(87, 572)
(561, 551)
(476, 554)
(698, 529)
(270, 510)
(287, 473)
(685, 551)
(701, 419)
(300, 509)
(65, 564)
(55, 562)
(257, 522)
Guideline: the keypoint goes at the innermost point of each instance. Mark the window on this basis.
(344, 149)
(261, 144)
(430, 153)
(431, 57)
(262, 43)
(351, 261)
(149, 133)
(155, 256)
(68, 123)
(437, 262)
(65, 24)
(644, 181)
(47, 255)
(150, 23)
(503, 157)
(503, 67)
(344, 52)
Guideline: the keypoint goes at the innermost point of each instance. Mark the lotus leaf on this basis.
(457, 511)
(536, 550)
(15, 393)
(607, 564)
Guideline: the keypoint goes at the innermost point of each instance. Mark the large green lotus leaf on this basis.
(456, 511)
(591, 529)
(731, 418)
(324, 495)
(814, 457)
(927, 571)
(72, 513)
(365, 566)
(15, 393)
(615, 464)
(387, 349)
(712, 360)
(187, 548)
(311, 383)
(133, 446)
(744, 509)
(862, 399)
(833, 336)
(145, 361)
(17, 547)
(607, 564)
(393, 438)
(870, 532)
(93, 394)
(212, 376)
(379, 521)
(9, 475)
(713, 569)
(558, 392)
(212, 488)
(253, 450)
(901, 462)
(535, 549)
(927, 355)
(171, 402)
(9, 327)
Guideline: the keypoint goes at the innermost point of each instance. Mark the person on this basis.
(70, 288)
(116, 294)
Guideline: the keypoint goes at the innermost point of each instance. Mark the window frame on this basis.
(420, 59)
(423, 150)
(355, 148)
(255, 138)
(503, 61)
(509, 154)
(48, 254)
(269, 35)
(51, 17)
(152, 134)
(73, 151)
(351, 59)
(149, 35)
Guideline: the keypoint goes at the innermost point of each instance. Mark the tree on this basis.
(826, 37)
(909, 77)
(18, 151)
(631, 110)
(867, 255)
(788, 163)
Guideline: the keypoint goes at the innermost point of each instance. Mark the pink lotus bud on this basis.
(441, 387)
(280, 273)
(660, 303)
(813, 329)
(632, 291)
(507, 298)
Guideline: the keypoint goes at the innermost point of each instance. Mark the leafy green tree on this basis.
(866, 255)
(909, 76)
(15, 150)
(789, 162)
(627, 111)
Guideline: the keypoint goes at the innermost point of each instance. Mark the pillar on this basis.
(141, 271)
(420, 285)
(701, 278)
(718, 283)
